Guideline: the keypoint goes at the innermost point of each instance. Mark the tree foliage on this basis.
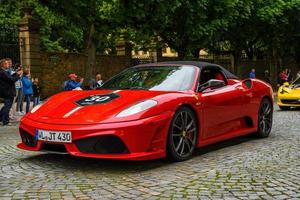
(255, 27)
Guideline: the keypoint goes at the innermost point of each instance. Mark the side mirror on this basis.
(286, 84)
(212, 84)
(247, 83)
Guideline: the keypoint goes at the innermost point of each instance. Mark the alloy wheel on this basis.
(265, 118)
(184, 133)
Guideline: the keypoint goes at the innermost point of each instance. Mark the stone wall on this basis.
(57, 66)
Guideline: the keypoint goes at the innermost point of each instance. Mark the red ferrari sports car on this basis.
(151, 111)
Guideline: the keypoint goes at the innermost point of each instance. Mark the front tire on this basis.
(182, 136)
(265, 118)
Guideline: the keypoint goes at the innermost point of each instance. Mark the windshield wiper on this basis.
(296, 86)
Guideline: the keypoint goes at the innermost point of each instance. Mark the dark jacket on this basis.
(7, 84)
(36, 90)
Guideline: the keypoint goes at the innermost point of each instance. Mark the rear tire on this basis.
(182, 136)
(265, 118)
(284, 107)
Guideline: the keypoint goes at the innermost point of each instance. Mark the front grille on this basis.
(60, 148)
(290, 101)
(27, 139)
(107, 144)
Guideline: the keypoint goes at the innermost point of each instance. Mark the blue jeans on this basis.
(19, 100)
(36, 101)
(27, 99)
(4, 112)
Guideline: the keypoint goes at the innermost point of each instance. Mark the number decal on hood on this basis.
(97, 99)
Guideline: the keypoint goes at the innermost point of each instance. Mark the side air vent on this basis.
(27, 138)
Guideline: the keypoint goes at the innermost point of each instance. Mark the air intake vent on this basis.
(108, 144)
(59, 148)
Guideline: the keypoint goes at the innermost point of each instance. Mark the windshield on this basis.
(167, 78)
(296, 83)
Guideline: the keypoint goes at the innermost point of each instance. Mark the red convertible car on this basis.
(151, 111)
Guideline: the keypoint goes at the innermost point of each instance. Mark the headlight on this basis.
(142, 106)
(284, 90)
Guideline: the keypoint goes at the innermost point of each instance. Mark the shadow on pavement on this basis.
(224, 144)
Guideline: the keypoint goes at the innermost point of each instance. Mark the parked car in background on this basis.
(289, 95)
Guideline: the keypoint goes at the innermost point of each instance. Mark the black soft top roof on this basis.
(199, 64)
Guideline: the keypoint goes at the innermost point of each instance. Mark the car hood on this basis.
(88, 107)
(293, 92)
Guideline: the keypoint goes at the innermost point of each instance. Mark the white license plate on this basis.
(54, 136)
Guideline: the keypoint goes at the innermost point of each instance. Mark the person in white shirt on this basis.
(97, 82)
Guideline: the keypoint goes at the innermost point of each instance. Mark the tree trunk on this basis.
(297, 57)
(181, 55)
(195, 53)
(236, 58)
(91, 53)
(277, 65)
(250, 53)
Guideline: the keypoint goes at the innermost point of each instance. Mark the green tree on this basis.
(97, 19)
(282, 33)
(185, 26)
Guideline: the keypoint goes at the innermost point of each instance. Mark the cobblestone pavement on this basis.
(242, 168)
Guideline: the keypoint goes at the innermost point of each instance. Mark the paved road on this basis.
(243, 168)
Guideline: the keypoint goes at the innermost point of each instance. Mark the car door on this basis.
(220, 109)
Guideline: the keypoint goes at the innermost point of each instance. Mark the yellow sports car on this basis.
(289, 95)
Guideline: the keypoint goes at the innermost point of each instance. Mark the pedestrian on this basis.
(19, 91)
(10, 65)
(97, 82)
(7, 89)
(267, 77)
(252, 73)
(12, 70)
(283, 76)
(289, 75)
(27, 88)
(36, 92)
(72, 84)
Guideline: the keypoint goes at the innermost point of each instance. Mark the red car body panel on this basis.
(222, 114)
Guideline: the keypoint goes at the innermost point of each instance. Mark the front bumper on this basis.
(288, 100)
(142, 139)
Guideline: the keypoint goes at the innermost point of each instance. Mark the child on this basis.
(36, 91)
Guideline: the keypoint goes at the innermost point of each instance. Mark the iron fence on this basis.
(9, 42)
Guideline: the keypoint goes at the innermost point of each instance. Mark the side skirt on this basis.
(227, 136)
